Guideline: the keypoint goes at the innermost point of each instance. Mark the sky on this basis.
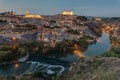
(103, 8)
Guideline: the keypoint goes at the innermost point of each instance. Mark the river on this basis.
(98, 48)
(101, 46)
(46, 65)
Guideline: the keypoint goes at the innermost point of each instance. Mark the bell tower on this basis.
(27, 13)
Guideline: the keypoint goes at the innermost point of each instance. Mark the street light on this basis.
(16, 65)
(14, 38)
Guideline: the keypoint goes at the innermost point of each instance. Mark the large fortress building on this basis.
(27, 15)
(68, 13)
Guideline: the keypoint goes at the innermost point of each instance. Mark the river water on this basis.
(98, 48)
(101, 46)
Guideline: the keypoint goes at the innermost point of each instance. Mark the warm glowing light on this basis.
(14, 38)
(16, 65)
(76, 46)
(79, 53)
(68, 13)
(116, 28)
(97, 19)
(107, 27)
(32, 15)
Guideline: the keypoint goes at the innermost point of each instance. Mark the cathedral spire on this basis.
(27, 13)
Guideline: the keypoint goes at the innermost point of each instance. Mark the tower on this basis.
(27, 13)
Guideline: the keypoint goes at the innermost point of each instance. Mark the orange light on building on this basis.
(68, 13)
(14, 38)
(116, 28)
(76, 46)
(97, 19)
(27, 15)
(16, 65)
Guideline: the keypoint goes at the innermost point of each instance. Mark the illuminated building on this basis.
(68, 13)
(27, 15)
(97, 19)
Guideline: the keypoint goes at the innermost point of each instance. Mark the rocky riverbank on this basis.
(92, 68)
(101, 68)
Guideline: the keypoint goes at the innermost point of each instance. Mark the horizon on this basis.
(101, 8)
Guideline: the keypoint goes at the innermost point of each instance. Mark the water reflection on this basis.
(80, 49)
(98, 40)
(29, 67)
(100, 47)
(79, 53)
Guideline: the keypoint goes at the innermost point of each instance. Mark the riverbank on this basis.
(87, 68)
(90, 68)
(101, 68)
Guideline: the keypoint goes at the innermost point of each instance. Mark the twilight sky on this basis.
(81, 7)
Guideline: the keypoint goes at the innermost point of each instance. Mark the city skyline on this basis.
(106, 8)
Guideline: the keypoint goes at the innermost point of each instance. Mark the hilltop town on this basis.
(32, 34)
(47, 28)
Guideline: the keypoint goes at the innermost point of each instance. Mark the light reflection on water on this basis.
(79, 53)
(100, 47)
(96, 49)
(29, 67)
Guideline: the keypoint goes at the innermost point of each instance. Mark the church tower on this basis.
(27, 13)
